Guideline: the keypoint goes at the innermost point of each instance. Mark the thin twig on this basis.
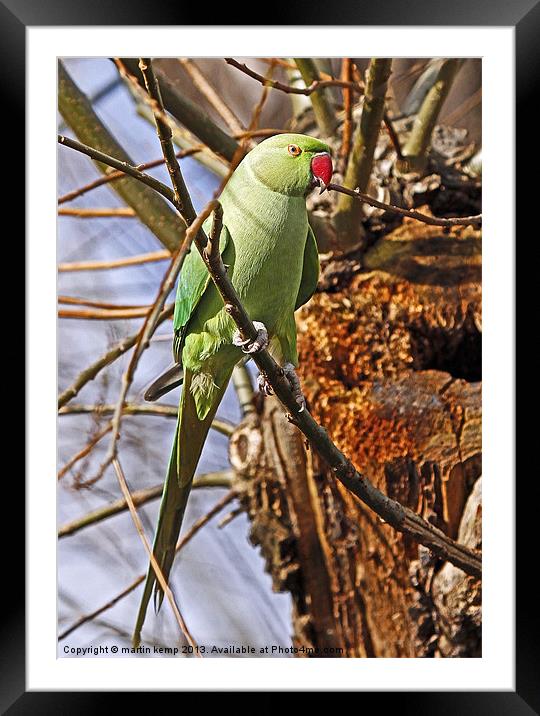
(155, 566)
(222, 478)
(163, 128)
(392, 134)
(291, 89)
(108, 605)
(114, 175)
(159, 410)
(346, 74)
(77, 301)
(121, 212)
(147, 98)
(86, 450)
(206, 89)
(265, 131)
(195, 527)
(230, 517)
(96, 314)
(124, 167)
(257, 111)
(150, 257)
(280, 62)
(411, 213)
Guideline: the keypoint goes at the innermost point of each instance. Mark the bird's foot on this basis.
(290, 374)
(264, 385)
(249, 346)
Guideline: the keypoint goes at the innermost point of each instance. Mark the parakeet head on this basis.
(291, 164)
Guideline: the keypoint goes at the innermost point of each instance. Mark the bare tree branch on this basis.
(112, 176)
(115, 263)
(291, 89)
(96, 314)
(164, 131)
(257, 110)
(348, 214)
(386, 118)
(140, 497)
(414, 151)
(78, 301)
(159, 410)
(122, 166)
(244, 388)
(411, 213)
(119, 212)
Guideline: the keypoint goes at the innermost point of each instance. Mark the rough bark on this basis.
(390, 364)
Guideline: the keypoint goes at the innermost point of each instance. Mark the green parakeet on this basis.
(273, 263)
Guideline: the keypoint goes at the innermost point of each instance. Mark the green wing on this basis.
(193, 282)
(310, 271)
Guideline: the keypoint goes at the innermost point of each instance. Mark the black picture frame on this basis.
(524, 15)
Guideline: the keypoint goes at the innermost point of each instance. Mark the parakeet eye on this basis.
(294, 150)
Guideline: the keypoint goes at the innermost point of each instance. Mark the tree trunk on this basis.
(390, 362)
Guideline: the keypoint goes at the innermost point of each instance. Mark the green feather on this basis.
(193, 282)
(272, 260)
(310, 271)
(182, 464)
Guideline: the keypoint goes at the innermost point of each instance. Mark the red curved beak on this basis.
(322, 169)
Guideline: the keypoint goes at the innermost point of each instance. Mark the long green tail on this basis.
(186, 451)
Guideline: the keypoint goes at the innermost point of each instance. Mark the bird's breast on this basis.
(269, 232)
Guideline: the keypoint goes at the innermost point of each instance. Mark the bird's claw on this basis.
(264, 385)
(290, 374)
(248, 346)
(318, 182)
